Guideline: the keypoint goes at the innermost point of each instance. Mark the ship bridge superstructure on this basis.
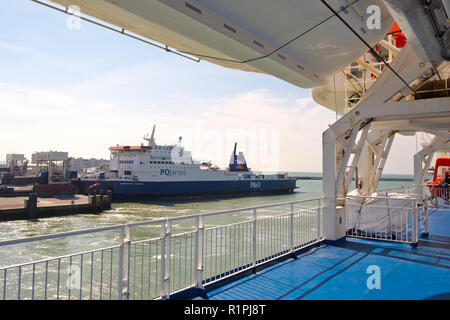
(130, 162)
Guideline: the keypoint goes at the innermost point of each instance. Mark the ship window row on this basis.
(126, 161)
(162, 147)
(150, 162)
(161, 162)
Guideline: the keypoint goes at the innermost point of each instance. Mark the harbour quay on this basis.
(34, 207)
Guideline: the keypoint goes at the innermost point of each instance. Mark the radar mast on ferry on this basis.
(151, 140)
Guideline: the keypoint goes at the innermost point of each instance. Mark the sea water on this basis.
(130, 212)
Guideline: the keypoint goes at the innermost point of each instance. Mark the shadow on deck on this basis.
(340, 271)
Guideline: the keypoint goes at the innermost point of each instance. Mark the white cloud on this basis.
(296, 137)
(19, 49)
(275, 133)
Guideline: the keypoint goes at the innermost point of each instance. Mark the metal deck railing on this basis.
(395, 214)
(158, 258)
(383, 218)
(158, 267)
(439, 195)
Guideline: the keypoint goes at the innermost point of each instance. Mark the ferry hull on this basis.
(161, 189)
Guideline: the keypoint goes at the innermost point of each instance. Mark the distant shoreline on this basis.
(381, 179)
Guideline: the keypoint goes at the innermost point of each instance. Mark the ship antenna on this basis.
(151, 140)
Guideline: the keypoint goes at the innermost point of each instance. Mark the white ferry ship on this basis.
(169, 171)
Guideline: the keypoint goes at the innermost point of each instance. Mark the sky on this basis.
(82, 90)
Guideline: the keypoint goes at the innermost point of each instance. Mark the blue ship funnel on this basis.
(237, 162)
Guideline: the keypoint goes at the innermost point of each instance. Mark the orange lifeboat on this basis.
(440, 182)
(400, 38)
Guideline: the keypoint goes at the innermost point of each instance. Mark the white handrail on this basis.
(60, 235)
(143, 223)
(203, 256)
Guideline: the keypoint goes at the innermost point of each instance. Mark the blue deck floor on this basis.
(339, 271)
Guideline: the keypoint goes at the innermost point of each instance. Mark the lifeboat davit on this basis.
(441, 178)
